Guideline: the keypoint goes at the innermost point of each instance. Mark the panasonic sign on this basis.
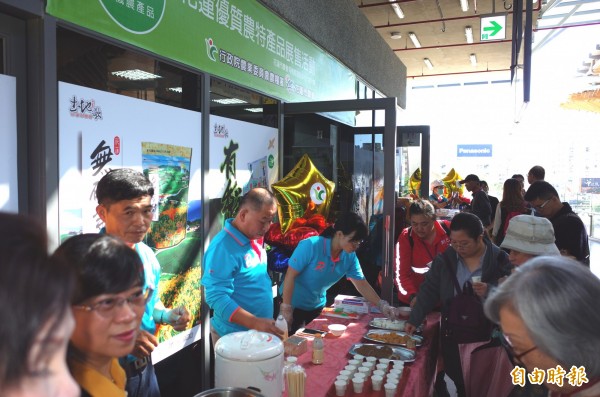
(473, 150)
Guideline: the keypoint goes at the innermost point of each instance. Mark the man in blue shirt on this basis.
(236, 283)
(124, 204)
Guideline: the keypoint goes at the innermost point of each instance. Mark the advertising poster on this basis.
(9, 199)
(100, 131)
(243, 156)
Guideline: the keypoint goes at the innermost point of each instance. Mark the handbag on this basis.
(463, 319)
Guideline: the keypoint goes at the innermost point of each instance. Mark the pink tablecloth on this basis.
(417, 380)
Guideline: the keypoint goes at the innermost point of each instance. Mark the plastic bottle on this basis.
(318, 352)
(290, 361)
(282, 325)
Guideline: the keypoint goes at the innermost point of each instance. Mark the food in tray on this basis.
(339, 313)
(392, 337)
(382, 351)
(386, 323)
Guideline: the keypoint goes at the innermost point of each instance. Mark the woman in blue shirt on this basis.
(319, 262)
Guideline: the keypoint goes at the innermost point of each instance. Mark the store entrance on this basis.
(360, 161)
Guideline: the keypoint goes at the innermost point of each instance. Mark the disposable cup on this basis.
(382, 367)
(360, 375)
(376, 382)
(476, 279)
(385, 361)
(343, 378)
(364, 370)
(359, 384)
(340, 388)
(378, 372)
(395, 371)
(351, 368)
(390, 389)
(346, 373)
(370, 365)
(359, 357)
(371, 359)
(392, 379)
(355, 362)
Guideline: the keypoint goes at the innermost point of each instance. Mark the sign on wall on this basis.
(473, 150)
(493, 27)
(9, 195)
(99, 131)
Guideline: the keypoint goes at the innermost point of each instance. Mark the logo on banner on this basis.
(317, 193)
(84, 108)
(211, 49)
(136, 17)
(220, 131)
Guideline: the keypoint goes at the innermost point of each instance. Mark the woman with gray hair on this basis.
(548, 312)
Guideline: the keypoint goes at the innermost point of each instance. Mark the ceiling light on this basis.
(136, 74)
(469, 34)
(254, 110)
(464, 5)
(397, 9)
(413, 38)
(176, 89)
(473, 59)
(396, 35)
(428, 63)
(229, 101)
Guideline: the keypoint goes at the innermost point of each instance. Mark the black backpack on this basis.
(411, 241)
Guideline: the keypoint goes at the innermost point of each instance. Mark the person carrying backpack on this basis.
(417, 247)
(512, 204)
(471, 254)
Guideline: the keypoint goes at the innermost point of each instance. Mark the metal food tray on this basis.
(372, 324)
(402, 354)
(417, 338)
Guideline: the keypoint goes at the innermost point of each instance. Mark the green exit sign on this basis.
(493, 27)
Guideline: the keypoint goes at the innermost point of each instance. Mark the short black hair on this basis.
(35, 293)
(103, 264)
(538, 172)
(257, 198)
(348, 223)
(468, 222)
(518, 176)
(541, 190)
(482, 183)
(122, 184)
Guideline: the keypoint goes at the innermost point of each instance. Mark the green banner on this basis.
(238, 40)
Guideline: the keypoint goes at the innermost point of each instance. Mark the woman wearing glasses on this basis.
(108, 304)
(548, 312)
(417, 247)
(319, 262)
(35, 312)
(471, 254)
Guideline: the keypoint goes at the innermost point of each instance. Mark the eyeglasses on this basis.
(107, 307)
(461, 244)
(541, 206)
(356, 242)
(516, 358)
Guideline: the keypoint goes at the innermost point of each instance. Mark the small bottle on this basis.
(318, 352)
(282, 325)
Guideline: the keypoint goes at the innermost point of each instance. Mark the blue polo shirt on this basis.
(152, 277)
(318, 271)
(235, 275)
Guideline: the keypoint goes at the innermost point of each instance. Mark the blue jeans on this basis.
(142, 382)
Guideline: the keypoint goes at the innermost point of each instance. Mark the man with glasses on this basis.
(124, 205)
(569, 230)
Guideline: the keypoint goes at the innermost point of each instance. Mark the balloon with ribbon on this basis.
(302, 188)
(451, 183)
(414, 183)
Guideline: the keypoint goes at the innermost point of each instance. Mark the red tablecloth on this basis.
(417, 380)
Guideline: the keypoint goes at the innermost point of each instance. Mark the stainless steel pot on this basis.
(229, 392)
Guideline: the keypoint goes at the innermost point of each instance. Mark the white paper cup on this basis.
(378, 372)
(370, 365)
(355, 362)
(392, 379)
(340, 388)
(385, 361)
(476, 279)
(364, 370)
(343, 378)
(390, 389)
(395, 371)
(371, 359)
(346, 373)
(382, 367)
(358, 384)
(351, 368)
(376, 382)
(360, 375)
(359, 357)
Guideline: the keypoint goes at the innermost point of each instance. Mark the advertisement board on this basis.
(9, 195)
(473, 150)
(99, 131)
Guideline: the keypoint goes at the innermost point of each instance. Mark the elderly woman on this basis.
(108, 304)
(471, 254)
(528, 236)
(34, 306)
(548, 312)
(417, 247)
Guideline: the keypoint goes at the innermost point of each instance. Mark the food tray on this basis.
(400, 323)
(417, 338)
(399, 353)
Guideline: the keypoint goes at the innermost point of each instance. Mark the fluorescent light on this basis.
(464, 5)
(179, 90)
(428, 63)
(397, 9)
(395, 35)
(136, 74)
(229, 101)
(469, 34)
(413, 38)
(473, 59)
(254, 110)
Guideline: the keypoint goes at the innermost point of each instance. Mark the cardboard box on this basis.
(351, 304)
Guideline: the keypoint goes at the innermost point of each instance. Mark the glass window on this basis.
(2, 57)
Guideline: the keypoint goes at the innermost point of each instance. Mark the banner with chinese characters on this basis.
(99, 131)
(243, 156)
(238, 40)
(9, 199)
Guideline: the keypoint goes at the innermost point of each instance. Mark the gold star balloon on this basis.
(302, 188)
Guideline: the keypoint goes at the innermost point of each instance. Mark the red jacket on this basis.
(412, 263)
